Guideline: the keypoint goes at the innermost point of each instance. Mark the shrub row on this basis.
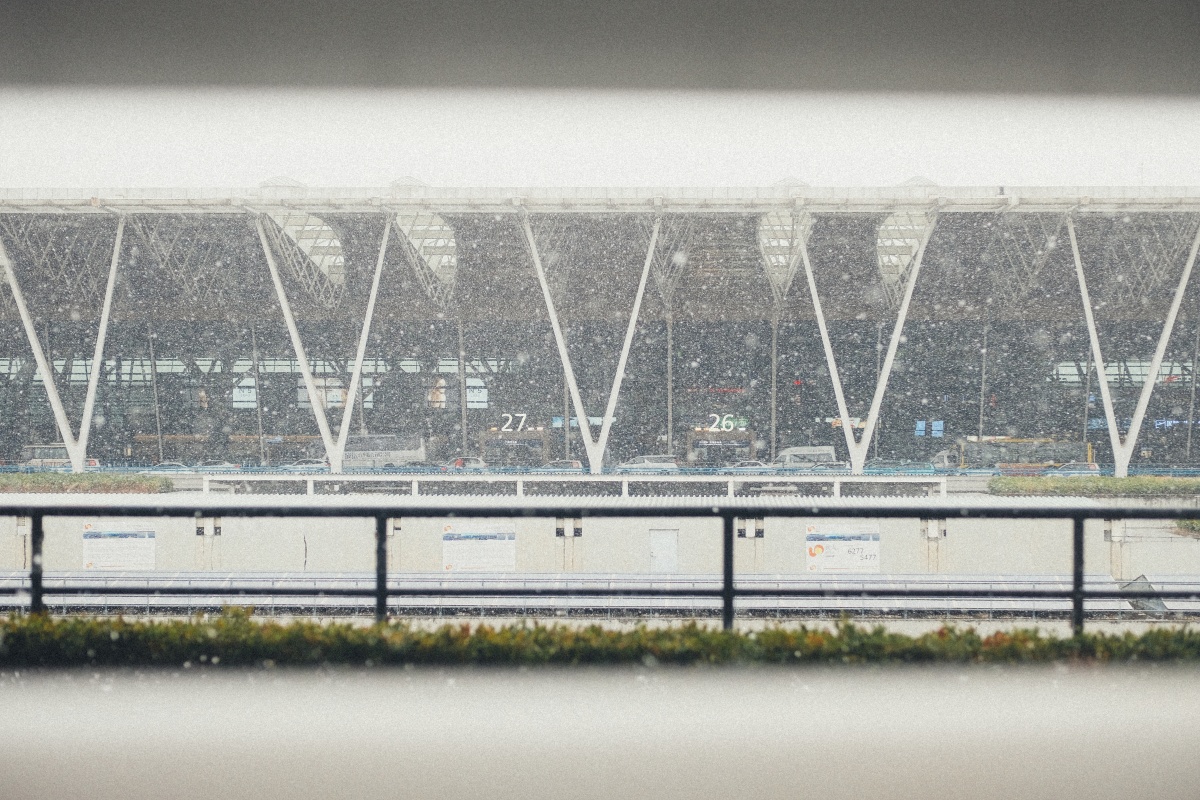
(1138, 486)
(236, 639)
(89, 482)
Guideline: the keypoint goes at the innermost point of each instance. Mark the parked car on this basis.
(218, 466)
(420, 467)
(881, 466)
(648, 464)
(465, 464)
(562, 465)
(1073, 469)
(808, 459)
(976, 472)
(167, 466)
(748, 468)
(809, 467)
(306, 465)
(830, 468)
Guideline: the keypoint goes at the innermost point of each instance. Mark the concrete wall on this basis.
(960, 547)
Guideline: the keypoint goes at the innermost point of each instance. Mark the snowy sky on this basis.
(131, 138)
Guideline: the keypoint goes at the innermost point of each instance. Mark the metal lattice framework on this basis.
(198, 262)
(781, 234)
(1155, 248)
(1023, 245)
(8, 303)
(312, 252)
(897, 243)
(431, 250)
(670, 260)
(71, 258)
(561, 247)
(595, 446)
(1144, 253)
(66, 272)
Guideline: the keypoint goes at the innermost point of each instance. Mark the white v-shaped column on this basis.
(335, 449)
(1123, 449)
(594, 446)
(858, 449)
(76, 447)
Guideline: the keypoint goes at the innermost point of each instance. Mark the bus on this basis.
(49, 456)
(381, 451)
(1007, 452)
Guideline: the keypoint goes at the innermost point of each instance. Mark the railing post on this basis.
(36, 534)
(727, 581)
(381, 568)
(1077, 577)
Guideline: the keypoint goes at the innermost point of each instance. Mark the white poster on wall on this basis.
(479, 546)
(842, 547)
(118, 550)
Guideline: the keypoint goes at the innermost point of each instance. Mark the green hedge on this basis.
(90, 482)
(1138, 486)
(235, 639)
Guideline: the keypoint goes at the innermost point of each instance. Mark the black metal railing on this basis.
(728, 510)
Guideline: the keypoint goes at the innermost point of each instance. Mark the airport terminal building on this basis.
(258, 326)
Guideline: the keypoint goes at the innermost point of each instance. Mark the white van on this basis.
(803, 457)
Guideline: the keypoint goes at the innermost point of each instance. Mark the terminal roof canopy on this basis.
(418, 199)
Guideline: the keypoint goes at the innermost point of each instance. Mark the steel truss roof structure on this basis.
(1138, 254)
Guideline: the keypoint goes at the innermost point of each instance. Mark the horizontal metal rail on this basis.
(728, 510)
(519, 480)
(480, 591)
(603, 200)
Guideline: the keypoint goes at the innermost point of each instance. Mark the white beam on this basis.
(858, 448)
(893, 345)
(89, 403)
(606, 423)
(335, 464)
(594, 447)
(39, 355)
(779, 295)
(830, 361)
(595, 458)
(76, 448)
(1123, 448)
(317, 403)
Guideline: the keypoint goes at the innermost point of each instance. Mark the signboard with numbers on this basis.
(842, 547)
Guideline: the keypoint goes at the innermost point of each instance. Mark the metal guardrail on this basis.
(520, 480)
(728, 510)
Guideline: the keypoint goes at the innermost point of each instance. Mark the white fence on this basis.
(723, 483)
